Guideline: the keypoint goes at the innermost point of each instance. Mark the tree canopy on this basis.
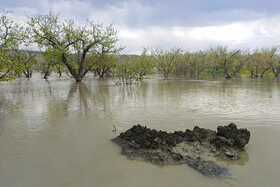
(79, 47)
(12, 35)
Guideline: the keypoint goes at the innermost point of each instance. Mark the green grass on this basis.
(209, 71)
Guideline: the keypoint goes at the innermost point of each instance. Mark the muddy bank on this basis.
(192, 147)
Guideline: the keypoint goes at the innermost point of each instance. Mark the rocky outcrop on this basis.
(188, 147)
(230, 140)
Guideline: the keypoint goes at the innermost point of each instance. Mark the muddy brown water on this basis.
(57, 132)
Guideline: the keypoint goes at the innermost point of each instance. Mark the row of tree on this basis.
(78, 48)
(68, 47)
(192, 64)
(218, 58)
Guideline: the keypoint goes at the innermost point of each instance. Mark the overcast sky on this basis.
(190, 24)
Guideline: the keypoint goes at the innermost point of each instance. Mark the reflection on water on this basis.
(57, 132)
(243, 159)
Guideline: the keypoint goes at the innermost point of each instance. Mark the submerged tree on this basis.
(166, 60)
(252, 64)
(197, 63)
(133, 68)
(275, 63)
(183, 63)
(80, 47)
(50, 60)
(59, 68)
(239, 63)
(266, 60)
(276, 66)
(127, 70)
(224, 59)
(104, 67)
(11, 36)
(144, 63)
(28, 59)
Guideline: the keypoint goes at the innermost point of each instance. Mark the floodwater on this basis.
(57, 132)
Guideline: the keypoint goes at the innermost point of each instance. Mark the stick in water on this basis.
(115, 129)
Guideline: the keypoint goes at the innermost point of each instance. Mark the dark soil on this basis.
(163, 148)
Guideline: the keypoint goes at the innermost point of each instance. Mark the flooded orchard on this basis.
(58, 132)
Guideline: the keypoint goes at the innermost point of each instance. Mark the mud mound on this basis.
(163, 148)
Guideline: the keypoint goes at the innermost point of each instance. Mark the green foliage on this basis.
(11, 36)
(104, 67)
(198, 61)
(28, 61)
(59, 68)
(230, 61)
(133, 68)
(145, 64)
(166, 60)
(127, 70)
(275, 65)
(80, 47)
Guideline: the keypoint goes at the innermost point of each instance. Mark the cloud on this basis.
(153, 37)
(130, 13)
(189, 24)
(250, 34)
(236, 32)
(136, 13)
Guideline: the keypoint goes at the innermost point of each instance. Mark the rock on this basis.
(229, 140)
(204, 135)
(162, 148)
(208, 168)
(231, 154)
(240, 137)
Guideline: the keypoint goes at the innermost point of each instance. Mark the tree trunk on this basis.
(165, 74)
(191, 74)
(270, 63)
(100, 73)
(213, 72)
(59, 72)
(257, 74)
(2, 76)
(77, 76)
(253, 74)
(28, 73)
(185, 72)
(199, 72)
(74, 74)
(47, 73)
(227, 76)
(78, 79)
(263, 72)
(277, 72)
